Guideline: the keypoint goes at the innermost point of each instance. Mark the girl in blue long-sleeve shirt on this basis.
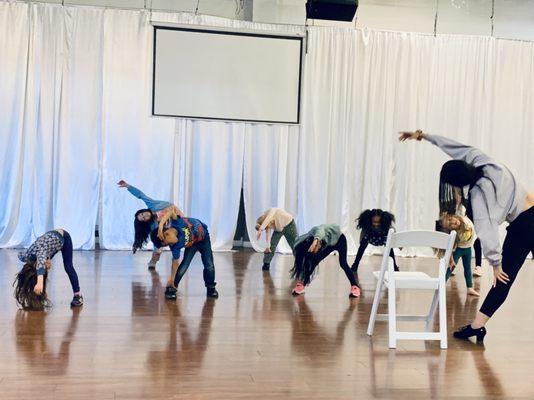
(146, 219)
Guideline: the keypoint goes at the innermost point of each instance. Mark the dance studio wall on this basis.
(75, 118)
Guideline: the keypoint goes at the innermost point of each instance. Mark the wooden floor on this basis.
(255, 341)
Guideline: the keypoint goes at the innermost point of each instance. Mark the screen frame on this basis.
(211, 30)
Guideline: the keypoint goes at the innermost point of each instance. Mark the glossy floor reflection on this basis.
(255, 341)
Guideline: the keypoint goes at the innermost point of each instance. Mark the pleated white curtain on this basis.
(50, 126)
(75, 93)
(362, 87)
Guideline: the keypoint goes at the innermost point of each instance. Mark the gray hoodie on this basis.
(491, 206)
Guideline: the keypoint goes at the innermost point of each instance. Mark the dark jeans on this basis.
(66, 253)
(518, 243)
(361, 250)
(302, 254)
(204, 248)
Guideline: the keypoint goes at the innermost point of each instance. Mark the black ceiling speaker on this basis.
(335, 10)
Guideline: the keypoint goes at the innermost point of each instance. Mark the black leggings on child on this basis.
(306, 262)
(66, 253)
(363, 245)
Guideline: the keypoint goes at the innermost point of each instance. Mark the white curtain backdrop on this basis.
(75, 94)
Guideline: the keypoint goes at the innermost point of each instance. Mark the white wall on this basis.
(513, 19)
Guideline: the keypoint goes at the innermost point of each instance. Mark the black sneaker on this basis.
(265, 267)
(170, 293)
(77, 301)
(212, 292)
(151, 266)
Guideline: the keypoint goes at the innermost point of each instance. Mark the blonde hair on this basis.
(459, 231)
(259, 221)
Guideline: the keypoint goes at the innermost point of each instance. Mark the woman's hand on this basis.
(315, 246)
(500, 275)
(38, 288)
(122, 184)
(267, 250)
(407, 135)
(160, 232)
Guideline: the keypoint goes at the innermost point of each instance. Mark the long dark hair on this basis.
(365, 220)
(458, 174)
(25, 281)
(305, 266)
(142, 230)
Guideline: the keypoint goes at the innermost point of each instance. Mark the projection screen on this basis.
(213, 74)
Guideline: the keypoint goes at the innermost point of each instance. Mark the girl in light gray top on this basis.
(494, 196)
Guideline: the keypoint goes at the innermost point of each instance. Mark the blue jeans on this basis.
(204, 248)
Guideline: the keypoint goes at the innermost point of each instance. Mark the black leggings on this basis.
(66, 253)
(363, 245)
(478, 253)
(518, 243)
(306, 262)
(476, 245)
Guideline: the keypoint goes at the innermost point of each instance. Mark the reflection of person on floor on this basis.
(309, 338)
(32, 342)
(374, 225)
(276, 223)
(494, 195)
(189, 354)
(191, 234)
(30, 284)
(313, 247)
(146, 300)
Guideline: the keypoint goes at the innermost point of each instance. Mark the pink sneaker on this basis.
(354, 291)
(298, 289)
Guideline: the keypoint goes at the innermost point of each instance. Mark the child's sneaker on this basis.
(212, 293)
(265, 267)
(354, 291)
(151, 265)
(77, 301)
(170, 293)
(298, 289)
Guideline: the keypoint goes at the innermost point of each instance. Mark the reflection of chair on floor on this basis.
(392, 280)
(410, 362)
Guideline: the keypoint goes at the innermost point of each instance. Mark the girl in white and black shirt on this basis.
(30, 284)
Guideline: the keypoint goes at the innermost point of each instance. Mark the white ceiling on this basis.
(512, 18)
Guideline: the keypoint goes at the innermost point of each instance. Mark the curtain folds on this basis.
(75, 95)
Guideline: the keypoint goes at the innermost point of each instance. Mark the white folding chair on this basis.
(392, 280)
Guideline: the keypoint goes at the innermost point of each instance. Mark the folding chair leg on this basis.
(442, 315)
(374, 309)
(392, 315)
(432, 310)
